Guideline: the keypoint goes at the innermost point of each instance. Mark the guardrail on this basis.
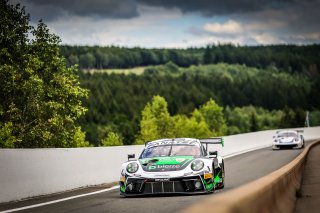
(275, 192)
(32, 172)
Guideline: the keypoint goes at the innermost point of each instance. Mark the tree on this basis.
(7, 140)
(208, 56)
(253, 122)
(87, 60)
(193, 127)
(73, 60)
(171, 67)
(112, 139)
(79, 138)
(213, 116)
(40, 99)
(156, 121)
(293, 117)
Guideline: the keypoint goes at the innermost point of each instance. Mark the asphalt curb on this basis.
(275, 192)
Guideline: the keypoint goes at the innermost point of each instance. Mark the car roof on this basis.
(287, 131)
(173, 141)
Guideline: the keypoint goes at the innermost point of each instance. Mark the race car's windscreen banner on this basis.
(212, 141)
(297, 130)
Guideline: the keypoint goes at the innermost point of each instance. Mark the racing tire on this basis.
(222, 176)
(213, 190)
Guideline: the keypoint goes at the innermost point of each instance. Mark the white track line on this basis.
(60, 200)
(112, 188)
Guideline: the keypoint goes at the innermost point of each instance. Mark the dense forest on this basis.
(253, 98)
(259, 87)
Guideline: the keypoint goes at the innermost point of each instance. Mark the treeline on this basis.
(290, 58)
(96, 57)
(116, 100)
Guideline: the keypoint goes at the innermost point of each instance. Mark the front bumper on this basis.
(134, 186)
(293, 145)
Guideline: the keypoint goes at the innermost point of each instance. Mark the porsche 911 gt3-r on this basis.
(288, 139)
(177, 165)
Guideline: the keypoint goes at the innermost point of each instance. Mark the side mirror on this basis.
(213, 154)
(131, 156)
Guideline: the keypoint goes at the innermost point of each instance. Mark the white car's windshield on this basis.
(287, 134)
(171, 150)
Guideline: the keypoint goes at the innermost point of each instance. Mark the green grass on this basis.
(135, 70)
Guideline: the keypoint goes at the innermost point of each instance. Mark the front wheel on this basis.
(220, 177)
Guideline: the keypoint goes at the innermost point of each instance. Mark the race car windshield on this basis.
(287, 134)
(171, 150)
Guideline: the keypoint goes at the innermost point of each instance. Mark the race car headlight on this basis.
(197, 165)
(296, 139)
(132, 167)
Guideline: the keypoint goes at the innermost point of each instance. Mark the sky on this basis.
(178, 23)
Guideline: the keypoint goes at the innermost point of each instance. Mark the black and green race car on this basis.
(177, 165)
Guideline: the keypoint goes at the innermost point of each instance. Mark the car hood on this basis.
(286, 139)
(169, 163)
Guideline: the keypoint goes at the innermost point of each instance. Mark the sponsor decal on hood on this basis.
(286, 139)
(168, 163)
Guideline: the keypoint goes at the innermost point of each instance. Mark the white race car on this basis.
(177, 165)
(288, 139)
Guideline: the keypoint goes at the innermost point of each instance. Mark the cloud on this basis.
(53, 9)
(218, 7)
(178, 23)
(298, 24)
(50, 10)
(236, 28)
(230, 27)
(266, 38)
(308, 38)
(242, 32)
(141, 31)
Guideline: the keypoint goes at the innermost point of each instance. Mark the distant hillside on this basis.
(259, 87)
(116, 100)
(290, 58)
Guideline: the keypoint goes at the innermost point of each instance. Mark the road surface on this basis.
(240, 169)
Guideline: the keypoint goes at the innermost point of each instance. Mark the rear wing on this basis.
(297, 130)
(212, 141)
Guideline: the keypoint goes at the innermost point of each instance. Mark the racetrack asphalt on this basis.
(240, 169)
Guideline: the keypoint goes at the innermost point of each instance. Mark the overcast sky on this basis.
(178, 23)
